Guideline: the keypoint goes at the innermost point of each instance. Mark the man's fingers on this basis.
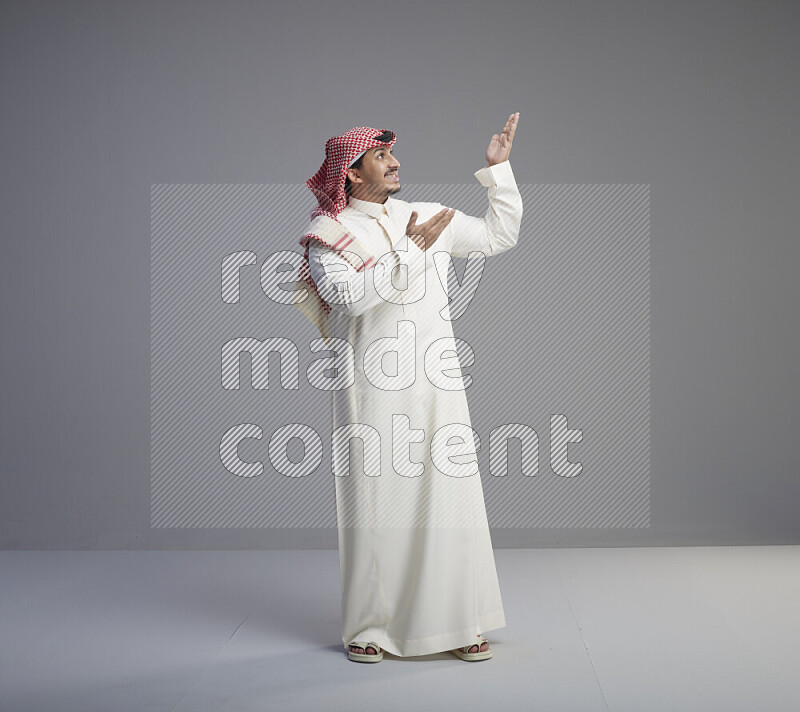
(514, 123)
(511, 124)
(444, 216)
(412, 221)
(442, 219)
(436, 219)
(430, 230)
(512, 127)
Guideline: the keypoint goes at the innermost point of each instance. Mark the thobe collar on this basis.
(376, 210)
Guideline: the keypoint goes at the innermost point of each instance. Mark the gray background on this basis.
(101, 100)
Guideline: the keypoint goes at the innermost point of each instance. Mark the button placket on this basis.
(409, 317)
(385, 222)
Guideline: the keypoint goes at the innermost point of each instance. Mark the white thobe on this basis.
(417, 567)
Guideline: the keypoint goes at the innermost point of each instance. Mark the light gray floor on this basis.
(706, 628)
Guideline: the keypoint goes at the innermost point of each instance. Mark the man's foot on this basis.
(474, 652)
(484, 646)
(363, 651)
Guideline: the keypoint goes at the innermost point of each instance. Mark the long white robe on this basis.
(417, 567)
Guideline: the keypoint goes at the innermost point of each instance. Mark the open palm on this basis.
(500, 145)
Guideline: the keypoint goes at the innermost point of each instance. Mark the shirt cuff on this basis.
(492, 175)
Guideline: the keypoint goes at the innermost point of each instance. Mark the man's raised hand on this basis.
(500, 145)
(426, 234)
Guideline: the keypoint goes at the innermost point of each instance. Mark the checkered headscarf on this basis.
(340, 151)
(328, 186)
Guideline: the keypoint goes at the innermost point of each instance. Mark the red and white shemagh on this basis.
(328, 187)
(340, 151)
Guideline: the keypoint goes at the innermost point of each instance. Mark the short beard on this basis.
(383, 194)
(391, 190)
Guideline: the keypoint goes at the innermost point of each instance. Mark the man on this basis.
(416, 560)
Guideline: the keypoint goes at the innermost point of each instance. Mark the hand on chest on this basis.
(383, 232)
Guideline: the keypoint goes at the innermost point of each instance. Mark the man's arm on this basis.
(352, 292)
(499, 229)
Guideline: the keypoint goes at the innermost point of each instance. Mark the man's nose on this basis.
(395, 163)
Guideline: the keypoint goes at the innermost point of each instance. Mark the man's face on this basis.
(378, 176)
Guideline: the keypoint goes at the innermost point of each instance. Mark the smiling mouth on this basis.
(392, 176)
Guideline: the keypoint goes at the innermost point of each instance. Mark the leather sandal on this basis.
(464, 653)
(365, 657)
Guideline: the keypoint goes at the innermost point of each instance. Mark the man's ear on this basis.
(353, 175)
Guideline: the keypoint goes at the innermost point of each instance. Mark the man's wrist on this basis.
(419, 240)
(496, 174)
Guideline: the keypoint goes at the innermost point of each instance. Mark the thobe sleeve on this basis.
(499, 229)
(352, 292)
